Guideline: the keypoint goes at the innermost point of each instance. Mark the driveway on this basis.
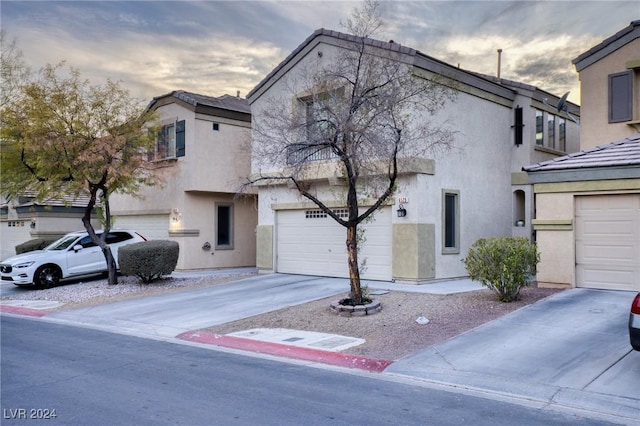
(571, 349)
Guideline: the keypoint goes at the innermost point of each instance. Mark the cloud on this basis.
(217, 47)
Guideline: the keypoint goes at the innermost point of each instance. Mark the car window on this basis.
(86, 242)
(118, 237)
(63, 243)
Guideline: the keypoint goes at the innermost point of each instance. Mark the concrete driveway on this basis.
(571, 349)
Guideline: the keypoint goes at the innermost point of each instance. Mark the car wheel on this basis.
(47, 276)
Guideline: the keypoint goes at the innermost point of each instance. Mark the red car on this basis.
(634, 323)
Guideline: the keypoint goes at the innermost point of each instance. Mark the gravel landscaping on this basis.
(390, 334)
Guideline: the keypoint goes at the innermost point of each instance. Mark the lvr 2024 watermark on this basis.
(29, 413)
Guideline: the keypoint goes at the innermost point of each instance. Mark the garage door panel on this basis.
(625, 254)
(311, 244)
(608, 241)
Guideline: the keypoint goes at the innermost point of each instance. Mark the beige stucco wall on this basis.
(555, 225)
(215, 164)
(413, 251)
(595, 128)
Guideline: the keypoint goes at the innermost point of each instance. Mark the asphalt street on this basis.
(88, 377)
(570, 350)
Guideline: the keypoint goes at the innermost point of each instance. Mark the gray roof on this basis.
(604, 48)
(622, 153)
(417, 58)
(228, 102)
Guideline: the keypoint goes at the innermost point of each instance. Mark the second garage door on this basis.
(608, 241)
(309, 242)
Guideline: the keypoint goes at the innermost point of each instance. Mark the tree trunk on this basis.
(354, 271)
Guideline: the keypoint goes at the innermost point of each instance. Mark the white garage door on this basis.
(608, 241)
(309, 242)
(152, 227)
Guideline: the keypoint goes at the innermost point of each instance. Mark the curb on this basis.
(19, 310)
(296, 352)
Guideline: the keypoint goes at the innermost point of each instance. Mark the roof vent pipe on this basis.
(499, 62)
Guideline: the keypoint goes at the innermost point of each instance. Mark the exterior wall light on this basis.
(32, 225)
(402, 212)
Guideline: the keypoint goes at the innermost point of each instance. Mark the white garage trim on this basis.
(309, 242)
(608, 241)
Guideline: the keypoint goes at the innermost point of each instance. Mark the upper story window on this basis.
(551, 131)
(170, 142)
(314, 136)
(562, 134)
(539, 127)
(620, 97)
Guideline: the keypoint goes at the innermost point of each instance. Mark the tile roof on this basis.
(625, 152)
(228, 102)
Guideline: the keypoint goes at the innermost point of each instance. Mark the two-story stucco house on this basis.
(203, 153)
(442, 204)
(22, 219)
(588, 204)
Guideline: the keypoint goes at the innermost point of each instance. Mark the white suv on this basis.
(72, 255)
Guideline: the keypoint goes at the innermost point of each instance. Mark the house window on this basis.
(539, 128)
(551, 130)
(224, 226)
(450, 222)
(620, 99)
(216, 127)
(170, 142)
(314, 132)
(562, 134)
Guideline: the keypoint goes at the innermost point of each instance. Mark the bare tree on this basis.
(360, 111)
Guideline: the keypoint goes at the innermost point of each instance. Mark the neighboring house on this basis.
(588, 204)
(476, 190)
(23, 219)
(203, 154)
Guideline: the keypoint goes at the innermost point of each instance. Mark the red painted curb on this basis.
(288, 351)
(19, 310)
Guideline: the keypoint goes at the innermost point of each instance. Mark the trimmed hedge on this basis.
(505, 265)
(148, 260)
(35, 244)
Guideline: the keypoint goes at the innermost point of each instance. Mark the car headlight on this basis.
(24, 264)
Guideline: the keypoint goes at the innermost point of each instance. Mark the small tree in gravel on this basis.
(505, 265)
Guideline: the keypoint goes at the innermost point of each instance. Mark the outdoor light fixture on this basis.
(402, 212)
(32, 225)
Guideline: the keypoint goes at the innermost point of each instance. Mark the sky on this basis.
(221, 47)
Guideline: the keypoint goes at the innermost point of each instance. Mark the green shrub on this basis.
(505, 265)
(148, 260)
(35, 244)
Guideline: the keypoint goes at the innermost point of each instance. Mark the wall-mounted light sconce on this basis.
(32, 225)
(175, 219)
(402, 212)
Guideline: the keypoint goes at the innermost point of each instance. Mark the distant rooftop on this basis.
(227, 102)
(622, 153)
